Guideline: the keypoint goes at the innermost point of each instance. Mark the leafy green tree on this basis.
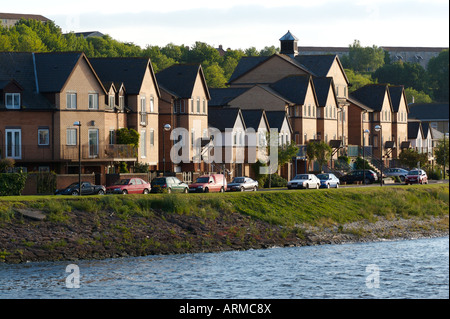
(410, 158)
(441, 152)
(419, 97)
(364, 58)
(357, 80)
(268, 51)
(438, 73)
(252, 51)
(215, 77)
(319, 151)
(286, 153)
(127, 136)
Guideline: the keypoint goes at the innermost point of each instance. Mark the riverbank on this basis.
(97, 227)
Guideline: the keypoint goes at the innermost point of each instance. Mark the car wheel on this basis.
(169, 190)
(206, 190)
(186, 190)
(242, 189)
(101, 192)
(255, 189)
(328, 185)
(317, 186)
(146, 191)
(337, 185)
(74, 193)
(366, 181)
(222, 190)
(124, 192)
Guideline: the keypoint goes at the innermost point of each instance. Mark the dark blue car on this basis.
(328, 180)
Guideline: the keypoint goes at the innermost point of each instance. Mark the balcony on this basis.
(34, 153)
(110, 152)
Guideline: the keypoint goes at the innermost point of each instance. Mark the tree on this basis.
(438, 73)
(215, 77)
(286, 153)
(319, 151)
(441, 152)
(419, 97)
(410, 158)
(357, 80)
(127, 136)
(364, 58)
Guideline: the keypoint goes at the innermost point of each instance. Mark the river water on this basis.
(389, 269)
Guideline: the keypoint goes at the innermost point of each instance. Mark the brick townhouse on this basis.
(42, 98)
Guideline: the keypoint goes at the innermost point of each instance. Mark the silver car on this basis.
(304, 181)
(400, 172)
(241, 184)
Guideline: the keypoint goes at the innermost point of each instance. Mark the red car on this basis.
(129, 186)
(416, 176)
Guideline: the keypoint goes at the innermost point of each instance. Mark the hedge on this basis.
(12, 183)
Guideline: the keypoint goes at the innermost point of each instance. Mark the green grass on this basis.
(286, 208)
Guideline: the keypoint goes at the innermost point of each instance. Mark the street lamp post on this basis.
(364, 155)
(78, 123)
(378, 128)
(166, 128)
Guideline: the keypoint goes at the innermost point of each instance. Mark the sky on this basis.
(241, 24)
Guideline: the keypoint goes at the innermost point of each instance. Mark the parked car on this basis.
(209, 183)
(171, 184)
(358, 176)
(86, 189)
(400, 172)
(304, 181)
(416, 176)
(129, 186)
(328, 180)
(242, 184)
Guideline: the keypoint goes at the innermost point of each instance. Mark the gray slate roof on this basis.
(371, 95)
(223, 96)
(396, 92)
(293, 88)
(129, 71)
(429, 111)
(223, 118)
(252, 118)
(276, 119)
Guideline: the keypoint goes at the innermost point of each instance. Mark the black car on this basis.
(241, 184)
(86, 189)
(357, 176)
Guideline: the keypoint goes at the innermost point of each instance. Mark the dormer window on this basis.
(12, 101)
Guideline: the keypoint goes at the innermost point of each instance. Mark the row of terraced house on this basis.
(59, 108)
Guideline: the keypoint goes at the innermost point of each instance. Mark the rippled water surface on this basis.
(393, 269)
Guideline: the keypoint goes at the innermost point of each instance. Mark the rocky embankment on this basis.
(30, 236)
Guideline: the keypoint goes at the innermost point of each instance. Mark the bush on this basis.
(275, 181)
(12, 183)
(435, 174)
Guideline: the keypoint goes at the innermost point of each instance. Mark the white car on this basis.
(304, 181)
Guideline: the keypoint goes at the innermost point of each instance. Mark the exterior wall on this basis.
(271, 71)
(400, 127)
(386, 127)
(340, 83)
(327, 124)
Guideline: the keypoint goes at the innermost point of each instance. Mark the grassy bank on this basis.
(106, 226)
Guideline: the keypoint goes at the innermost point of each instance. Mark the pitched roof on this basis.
(180, 79)
(19, 16)
(397, 92)
(246, 64)
(372, 95)
(322, 85)
(289, 37)
(294, 88)
(429, 111)
(414, 128)
(223, 118)
(276, 119)
(129, 71)
(223, 96)
(53, 69)
(252, 118)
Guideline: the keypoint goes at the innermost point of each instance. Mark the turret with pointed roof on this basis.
(289, 45)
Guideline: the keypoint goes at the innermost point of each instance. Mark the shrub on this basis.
(275, 181)
(12, 183)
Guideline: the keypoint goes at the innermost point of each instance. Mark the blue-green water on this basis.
(391, 269)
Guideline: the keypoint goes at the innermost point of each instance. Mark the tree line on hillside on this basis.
(363, 65)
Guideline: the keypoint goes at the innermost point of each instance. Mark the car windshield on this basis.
(74, 185)
(413, 173)
(202, 180)
(323, 176)
(122, 182)
(301, 177)
(238, 180)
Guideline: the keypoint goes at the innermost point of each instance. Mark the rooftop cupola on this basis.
(289, 45)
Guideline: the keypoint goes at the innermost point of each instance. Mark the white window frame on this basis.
(71, 100)
(71, 136)
(16, 150)
(47, 137)
(15, 99)
(93, 101)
